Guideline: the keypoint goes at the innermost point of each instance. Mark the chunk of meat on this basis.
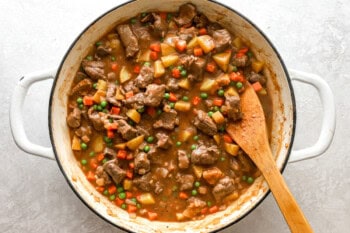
(195, 206)
(112, 168)
(136, 101)
(196, 69)
(203, 155)
(160, 26)
(241, 61)
(162, 172)
(103, 51)
(183, 159)
(130, 86)
(200, 21)
(142, 34)
(84, 133)
(128, 39)
(204, 123)
(74, 118)
(145, 77)
(164, 140)
(212, 175)
(222, 80)
(158, 187)
(187, 33)
(186, 14)
(81, 87)
(222, 39)
(127, 131)
(167, 120)
(203, 190)
(94, 69)
(109, 152)
(186, 60)
(213, 27)
(111, 77)
(233, 107)
(172, 85)
(96, 118)
(142, 163)
(102, 176)
(224, 187)
(154, 95)
(254, 77)
(110, 94)
(185, 180)
(145, 182)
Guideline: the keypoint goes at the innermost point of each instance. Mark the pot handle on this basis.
(329, 118)
(16, 117)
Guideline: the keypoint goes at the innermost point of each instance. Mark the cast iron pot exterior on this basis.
(279, 87)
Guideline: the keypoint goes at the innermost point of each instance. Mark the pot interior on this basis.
(279, 87)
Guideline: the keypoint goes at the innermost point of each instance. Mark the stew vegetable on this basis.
(148, 109)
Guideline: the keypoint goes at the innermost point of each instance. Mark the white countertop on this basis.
(312, 36)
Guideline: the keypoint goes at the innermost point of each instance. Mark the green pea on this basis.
(169, 16)
(166, 95)
(134, 200)
(141, 110)
(183, 73)
(105, 160)
(222, 159)
(112, 58)
(138, 205)
(147, 149)
(221, 92)
(193, 147)
(103, 103)
(109, 144)
(130, 122)
(150, 139)
(123, 206)
(172, 105)
(239, 85)
(120, 189)
(147, 63)
(83, 162)
(122, 195)
(222, 129)
(94, 85)
(98, 43)
(244, 178)
(79, 100)
(250, 180)
(216, 108)
(110, 120)
(250, 54)
(185, 98)
(94, 107)
(234, 69)
(81, 106)
(209, 203)
(83, 146)
(107, 139)
(112, 197)
(159, 111)
(197, 184)
(210, 113)
(194, 192)
(174, 188)
(133, 21)
(180, 68)
(178, 143)
(204, 95)
(92, 154)
(143, 14)
(89, 58)
(105, 192)
(195, 137)
(105, 111)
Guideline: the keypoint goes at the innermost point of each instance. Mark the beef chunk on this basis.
(160, 26)
(187, 33)
(128, 39)
(110, 95)
(164, 140)
(222, 39)
(223, 79)
(142, 34)
(102, 177)
(96, 119)
(81, 87)
(254, 77)
(212, 175)
(111, 77)
(195, 206)
(200, 21)
(144, 182)
(186, 14)
(186, 181)
(158, 187)
(162, 172)
(136, 101)
(130, 86)
(241, 61)
(94, 69)
(74, 118)
(127, 131)
(142, 163)
(84, 133)
(233, 107)
(112, 168)
(204, 123)
(172, 85)
(109, 152)
(147, 18)
(183, 159)
(167, 120)
(154, 95)
(103, 51)
(145, 77)
(213, 27)
(224, 187)
(196, 69)
(186, 60)
(204, 155)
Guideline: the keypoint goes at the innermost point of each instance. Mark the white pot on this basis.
(279, 87)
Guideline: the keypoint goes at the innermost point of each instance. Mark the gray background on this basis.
(312, 36)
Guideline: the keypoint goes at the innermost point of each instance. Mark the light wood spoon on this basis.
(251, 135)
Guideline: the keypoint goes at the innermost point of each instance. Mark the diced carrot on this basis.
(172, 97)
(110, 134)
(100, 157)
(131, 165)
(137, 69)
(121, 154)
(163, 15)
(243, 50)
(151, 111)
(198, 51)
(218, 102)
(128, 194)
(213, 209)
(90, 175)
(88, 100)
(257, 86)
(204, 210)
(112, 189)
(131, 209)
(227, 138)
(181, 45)
(129, 156)
(129, 174)
(154, 55)
(239, 55)
(176, 73)
(196, 100)
(152, 215)
(119, 201)
(202, 31)
(115, 111)
(211, 67)
(183, 195)
(112, 126)
(93, 163)
(114, 66)
(155, 47)
(237, 77)
(100, 189)
(129, 94)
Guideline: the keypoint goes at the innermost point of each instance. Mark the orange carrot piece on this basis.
(129, 94)
(163, 15)
(257, 86)
(198, 51)
(131, 165)
(119, 201)
(204, 210)
(100, 189)
(172, 97)
(151, 111)
(100, 157)
(213, 209)
(129, 174)
(181, 45)
(152, 215)
(202, 31)
(183, 195)
(218, 102)
(112, 189)
(115, 111)
(227, 138)
(176, 73)
(137, 69)
(121, 154)
(114, 66)
(88, 100)
(196, 100)
(131, 209)
(155, 47)
(93, 164)
(237, 77)
(110, 134)
(211, 67)
(154, 55)
(90, 175)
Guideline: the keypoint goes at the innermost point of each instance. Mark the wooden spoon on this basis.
(251, 135)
